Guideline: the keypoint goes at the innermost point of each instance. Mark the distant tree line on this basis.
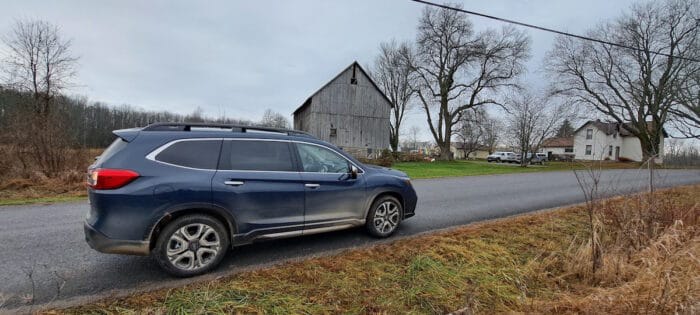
(90, 124)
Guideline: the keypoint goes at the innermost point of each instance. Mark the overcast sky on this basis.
(239, 58)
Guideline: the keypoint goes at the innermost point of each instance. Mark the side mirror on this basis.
(353, 171)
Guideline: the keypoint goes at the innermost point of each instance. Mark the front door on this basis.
(333, 198)
(257, 181)
(617, 153)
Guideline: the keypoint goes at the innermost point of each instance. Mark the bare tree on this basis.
(533, 119)
(274, 119)
(634, 86)
(393, 75)
(38, 61)
(413, 137)
(491, 134)
(458, 69)
(196, 116)
(687, 114)
(471, 130)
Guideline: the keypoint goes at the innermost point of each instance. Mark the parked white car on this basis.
(502, 157)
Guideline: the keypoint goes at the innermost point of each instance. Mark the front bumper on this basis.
(410, 199)
(102, 243)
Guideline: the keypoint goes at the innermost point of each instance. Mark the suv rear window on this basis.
(247, 155)
(111, 150)
(203, 154)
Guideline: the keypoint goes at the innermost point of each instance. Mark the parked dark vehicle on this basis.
(538, 158)
(186, 193)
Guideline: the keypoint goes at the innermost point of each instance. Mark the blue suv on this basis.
(186, 193)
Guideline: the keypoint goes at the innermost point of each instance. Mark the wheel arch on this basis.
(381, 194)
(218, 213)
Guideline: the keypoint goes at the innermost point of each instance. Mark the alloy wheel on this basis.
(386, 217)
(193, 246)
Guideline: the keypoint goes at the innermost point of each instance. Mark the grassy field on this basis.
(470, 168)
(532, 263)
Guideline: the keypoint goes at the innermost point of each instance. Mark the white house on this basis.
(597, 140)
(560, 148)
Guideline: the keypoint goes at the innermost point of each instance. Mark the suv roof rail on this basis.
(167, 126)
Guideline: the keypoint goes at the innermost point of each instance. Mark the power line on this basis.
(600, 41)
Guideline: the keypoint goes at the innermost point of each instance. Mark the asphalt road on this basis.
(43, 247)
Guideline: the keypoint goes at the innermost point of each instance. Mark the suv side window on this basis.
(203, 154)
(318, 159)
(257, 155)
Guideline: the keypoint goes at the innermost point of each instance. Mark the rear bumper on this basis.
(102, 243)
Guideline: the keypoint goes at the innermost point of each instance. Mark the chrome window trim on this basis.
(152, 155)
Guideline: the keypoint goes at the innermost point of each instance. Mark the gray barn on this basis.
(350, 111)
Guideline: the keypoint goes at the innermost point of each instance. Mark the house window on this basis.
(589, 149)
(334, 132)
(589, 134)
(610, 151)
(569, 150)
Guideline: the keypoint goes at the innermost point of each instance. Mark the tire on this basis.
(206, 244)
(385, 225)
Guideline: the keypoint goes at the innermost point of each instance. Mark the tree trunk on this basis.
(394, 142)
(445, 153)
(650, 147)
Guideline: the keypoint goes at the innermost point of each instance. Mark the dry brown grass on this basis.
(20, 182)
(535, 263)
(651, 246)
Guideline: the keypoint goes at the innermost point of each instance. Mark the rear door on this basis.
(333, 198)
(257, 181)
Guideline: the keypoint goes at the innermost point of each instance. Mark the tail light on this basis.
(105, 178)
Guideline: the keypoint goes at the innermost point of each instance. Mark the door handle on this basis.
(312, 185)
(234, 182)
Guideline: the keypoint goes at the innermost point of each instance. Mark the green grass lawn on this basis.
(470, 168)
(26, 201)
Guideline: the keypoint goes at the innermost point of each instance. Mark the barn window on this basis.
(334, 132)
(353, 80)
